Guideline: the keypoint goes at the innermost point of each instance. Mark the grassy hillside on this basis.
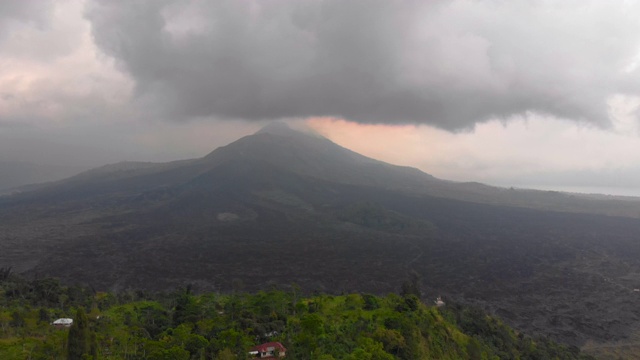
(182, 325)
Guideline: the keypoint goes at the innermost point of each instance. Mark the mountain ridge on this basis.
(316, 156)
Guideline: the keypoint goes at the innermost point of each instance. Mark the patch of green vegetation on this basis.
(376, 217)
(184, 325)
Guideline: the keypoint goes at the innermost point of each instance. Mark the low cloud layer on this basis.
(448, 64)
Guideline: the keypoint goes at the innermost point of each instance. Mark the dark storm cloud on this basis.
(450, 64)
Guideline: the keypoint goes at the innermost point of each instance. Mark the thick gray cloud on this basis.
(449, 64)
(25, 11)
(18, 12)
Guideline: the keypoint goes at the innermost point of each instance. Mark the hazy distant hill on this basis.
(14, 174)
(282, 207)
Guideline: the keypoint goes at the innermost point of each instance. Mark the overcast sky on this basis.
(513, 93)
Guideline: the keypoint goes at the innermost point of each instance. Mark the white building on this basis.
(62, 322)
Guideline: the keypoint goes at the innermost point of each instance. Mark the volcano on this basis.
(283, 207)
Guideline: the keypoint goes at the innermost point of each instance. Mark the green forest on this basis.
(186, 325)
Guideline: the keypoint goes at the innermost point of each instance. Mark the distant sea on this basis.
(619, 191)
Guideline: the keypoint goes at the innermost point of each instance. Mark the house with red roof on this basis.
(270, 350)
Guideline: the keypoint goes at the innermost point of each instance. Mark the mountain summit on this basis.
(317, 157)
(279, 128)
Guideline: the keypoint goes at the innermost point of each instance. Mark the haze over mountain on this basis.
(312, 155)
(14, 173)
(282, 207)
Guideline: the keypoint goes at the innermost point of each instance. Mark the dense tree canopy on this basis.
(184, 325)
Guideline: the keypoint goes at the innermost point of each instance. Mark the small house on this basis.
(62, 323)
(270, 350)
